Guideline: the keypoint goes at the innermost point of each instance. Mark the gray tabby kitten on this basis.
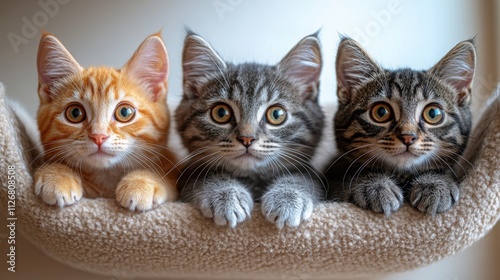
(400, 132)
(251, 130)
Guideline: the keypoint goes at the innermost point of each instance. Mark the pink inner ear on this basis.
(464, 78)
(156, 74)
(353, 65)
(303, 62)
(457, 67)
(149, 66)
(155, 80)
(306, 73)
(54, 62)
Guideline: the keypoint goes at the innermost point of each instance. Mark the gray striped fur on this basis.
(217, 179)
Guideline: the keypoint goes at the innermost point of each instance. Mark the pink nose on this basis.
(246, 140)
(98, 138)
(408, 139)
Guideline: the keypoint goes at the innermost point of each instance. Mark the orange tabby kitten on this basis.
(104, 131)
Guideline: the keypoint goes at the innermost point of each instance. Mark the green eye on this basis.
(124, 112)
(276, 115)
(75, 113)
(381, 112)
(221, 113)
(433, 114)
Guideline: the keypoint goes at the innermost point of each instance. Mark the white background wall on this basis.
(396, 32)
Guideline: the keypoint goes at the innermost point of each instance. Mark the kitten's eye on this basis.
(75, 113)
(433, 114)
(381, 112)
(124, 112)
(221, 113)
(276, 115)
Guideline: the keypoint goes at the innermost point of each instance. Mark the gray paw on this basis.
(434, 193)
(227, 206)
(286, 207)
(378, 193)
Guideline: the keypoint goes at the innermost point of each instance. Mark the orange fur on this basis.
(132, 163)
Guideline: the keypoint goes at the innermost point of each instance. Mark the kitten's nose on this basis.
(246, 140)
(98, 138)
(408, 139)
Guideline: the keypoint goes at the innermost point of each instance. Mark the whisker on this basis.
(354, 161)
(159, 156)
(215, 163)
(285, 157)
(308, 168)
(348, 152)
(192, 163)
(163, 147)
(451, 169)
(459, 156)
(361, 168)
(204, 164)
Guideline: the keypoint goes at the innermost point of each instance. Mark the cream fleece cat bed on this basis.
(175, 240)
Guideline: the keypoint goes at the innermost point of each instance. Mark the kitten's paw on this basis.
(141, 191)
(227, 206)
(58, 185)
(434, 193)
(285, 206)
(378, 193)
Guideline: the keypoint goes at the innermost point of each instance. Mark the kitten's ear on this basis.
(457, 68)
(354, 67)
(149, 66)
(54, 63)
(303, 65)
(199, 63)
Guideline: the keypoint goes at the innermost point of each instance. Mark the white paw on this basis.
(286, 207)
(228, 206)
(137, 192)
(58, 188)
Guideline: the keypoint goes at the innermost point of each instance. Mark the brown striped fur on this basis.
(406, 154)
(132, 163)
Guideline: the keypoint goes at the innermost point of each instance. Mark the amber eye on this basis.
(75, 113)
(433, 114)
(381, 112)
(124, 112)
(276, 115)
(221, 113)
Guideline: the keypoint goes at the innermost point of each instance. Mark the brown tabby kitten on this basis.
(400, 132)
(104, 131)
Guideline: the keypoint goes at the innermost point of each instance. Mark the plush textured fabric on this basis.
(175, 240)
